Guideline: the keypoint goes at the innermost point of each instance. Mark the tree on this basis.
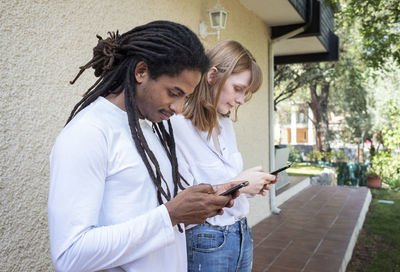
(377, 25)
(288, 79)
(383, 88)
(319, 88)
(337, 87)
(351, 100)
(317, 79)
(370, 37)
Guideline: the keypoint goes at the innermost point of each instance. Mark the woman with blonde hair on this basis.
(207, 152)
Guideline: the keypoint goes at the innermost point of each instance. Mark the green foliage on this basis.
(291, 78)
(288, 79)
(339, 156)
(328, 156)
(316, 80)
(394, 182)
(350, 99)
(383, 91)
(314, 156)
(391, 134)
(294, 155)
(369, 33)
(371, 173)
(347, 93)
(376, 22)
(388, 166)
(387, 161)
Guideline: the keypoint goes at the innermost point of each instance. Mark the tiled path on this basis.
(315, 231)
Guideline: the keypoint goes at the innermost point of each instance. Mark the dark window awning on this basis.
(315, 43)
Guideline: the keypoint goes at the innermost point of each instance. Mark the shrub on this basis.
(371, 173)
(387, 166)
(387, 161)
(327, 156)
(339, 156)
(295, 155)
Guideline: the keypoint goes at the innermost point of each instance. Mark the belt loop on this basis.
(243, 223)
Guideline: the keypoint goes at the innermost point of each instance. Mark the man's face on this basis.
(159, 99)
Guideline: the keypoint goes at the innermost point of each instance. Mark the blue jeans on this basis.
(225, 249)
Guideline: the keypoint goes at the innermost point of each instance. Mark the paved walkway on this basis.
(315, 231)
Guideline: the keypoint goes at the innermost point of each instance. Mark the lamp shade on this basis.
(218, 16)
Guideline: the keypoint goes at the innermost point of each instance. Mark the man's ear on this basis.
(141, 71)
(212, 75)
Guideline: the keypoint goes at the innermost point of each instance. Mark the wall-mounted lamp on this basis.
(218, 17)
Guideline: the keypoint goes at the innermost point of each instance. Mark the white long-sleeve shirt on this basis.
(103, 211)
(200, 162)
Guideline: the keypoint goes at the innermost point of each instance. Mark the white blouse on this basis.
(103, 211)
(200, 162)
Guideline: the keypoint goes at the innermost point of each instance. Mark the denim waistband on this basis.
(238, 226)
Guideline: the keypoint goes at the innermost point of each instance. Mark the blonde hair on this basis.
(228, 57)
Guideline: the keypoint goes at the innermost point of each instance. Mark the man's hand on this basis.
(220, 188)
(197, 203)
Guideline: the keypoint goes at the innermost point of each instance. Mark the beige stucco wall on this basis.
(43, 43)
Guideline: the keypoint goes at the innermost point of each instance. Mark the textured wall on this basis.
(43, 43)
(251, 127)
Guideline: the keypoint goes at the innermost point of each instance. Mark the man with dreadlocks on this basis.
(113, 200)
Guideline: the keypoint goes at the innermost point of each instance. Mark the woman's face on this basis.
(233, 91)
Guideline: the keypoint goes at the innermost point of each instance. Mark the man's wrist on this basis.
(171, 213)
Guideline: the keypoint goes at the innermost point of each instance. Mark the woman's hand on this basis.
(258, 180)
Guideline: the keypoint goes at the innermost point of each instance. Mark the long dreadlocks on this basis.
(167, 48)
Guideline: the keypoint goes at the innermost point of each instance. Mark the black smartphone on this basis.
(234, 189)
(281, 169)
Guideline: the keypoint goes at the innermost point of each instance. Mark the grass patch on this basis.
(304, 169)
(378, 245)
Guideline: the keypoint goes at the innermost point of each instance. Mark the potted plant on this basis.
(373, 179)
